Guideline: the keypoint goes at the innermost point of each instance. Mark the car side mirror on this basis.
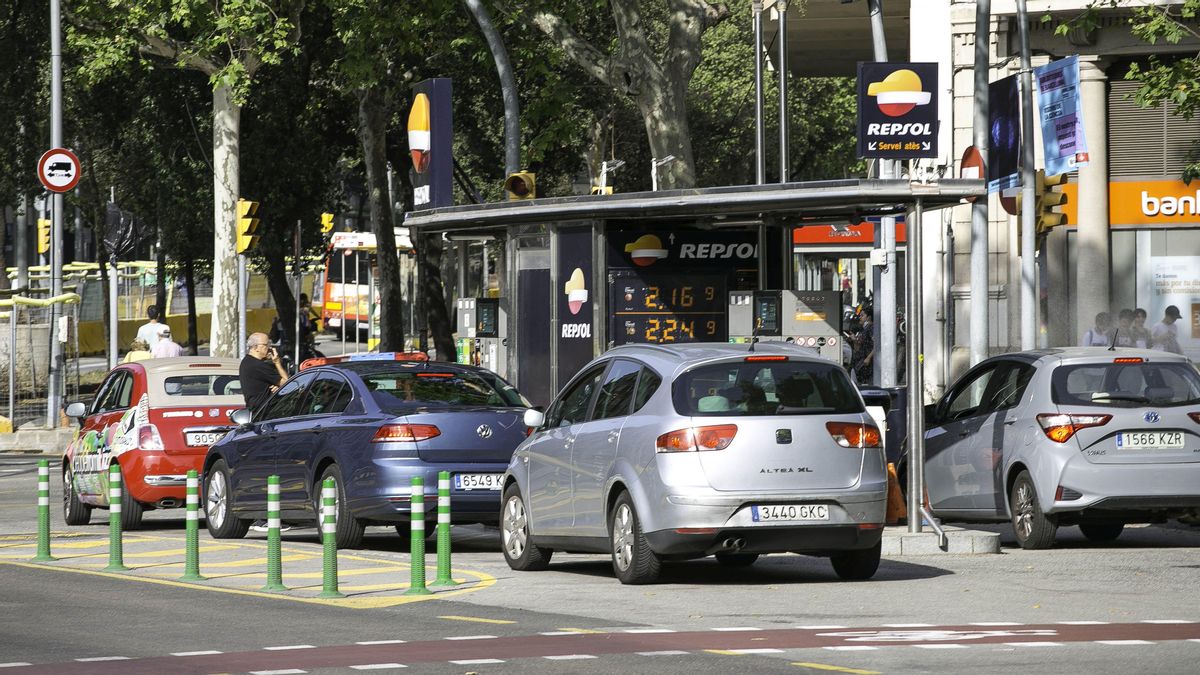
(76, 410)
(931, 415)
(241, 417)
(534, 418)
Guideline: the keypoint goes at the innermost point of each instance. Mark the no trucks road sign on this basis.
(58, 169)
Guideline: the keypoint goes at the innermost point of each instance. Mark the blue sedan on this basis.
(370, 424)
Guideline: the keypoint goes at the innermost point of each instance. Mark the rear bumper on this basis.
(776, 539)
(1126, 487)
(152, 477)
(383, 492)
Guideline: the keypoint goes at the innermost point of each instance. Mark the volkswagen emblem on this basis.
(484, 431)
(1151, 416)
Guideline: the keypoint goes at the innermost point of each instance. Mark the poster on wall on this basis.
(574, 298)
(1063, 144)
(1175, 282)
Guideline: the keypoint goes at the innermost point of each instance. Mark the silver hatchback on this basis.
(1085, 436)
(657, 452)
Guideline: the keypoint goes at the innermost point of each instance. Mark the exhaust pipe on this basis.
(169, 503)
(733, 543)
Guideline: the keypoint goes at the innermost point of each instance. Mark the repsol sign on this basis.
(892, 129)
(741, 251)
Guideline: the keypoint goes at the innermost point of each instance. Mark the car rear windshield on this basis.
(747, 389)
(1126, 385)
(216, 384)
(399, 391)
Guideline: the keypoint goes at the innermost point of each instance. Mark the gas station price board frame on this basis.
(667, 307)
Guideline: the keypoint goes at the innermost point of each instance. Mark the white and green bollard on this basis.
(274, 555)
(191, 565)
(116, 551)
(43, 544)
(417, 547)
(443, 533)
(329, 537)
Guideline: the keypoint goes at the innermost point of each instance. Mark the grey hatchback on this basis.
(1084, 436)
(656, 452)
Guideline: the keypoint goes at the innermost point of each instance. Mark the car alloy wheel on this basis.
(1033, 528)
(623, 537)
(216, 501)
(515, 531)
(75, 512)
(521, 551)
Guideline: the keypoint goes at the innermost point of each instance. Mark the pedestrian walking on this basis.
(1097, 335)
(138, 351)
(1125, 336)
(1141, 334)
(148, 332)
(166, 347)
(1165, 334)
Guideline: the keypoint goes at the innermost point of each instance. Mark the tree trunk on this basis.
(189, 283)
(433, 294)
(372, 133)
(663, 105)
(226, 127)
(280, 284)
(160, 276)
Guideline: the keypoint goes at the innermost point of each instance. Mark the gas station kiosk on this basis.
(811, 319)
(483, 334)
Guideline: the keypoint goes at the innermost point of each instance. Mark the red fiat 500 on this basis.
(156, 420)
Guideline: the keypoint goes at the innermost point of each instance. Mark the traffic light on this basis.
(246, 225)
(1049, 195)
(606, 190)
(43, 240)
(326, 223)
(521, 185)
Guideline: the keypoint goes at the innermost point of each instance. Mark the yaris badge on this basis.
(484, 431)
(1151, 417)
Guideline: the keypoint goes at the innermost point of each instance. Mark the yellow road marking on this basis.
(838, 669)
(724, 652)
(476, 619)
(581, 630)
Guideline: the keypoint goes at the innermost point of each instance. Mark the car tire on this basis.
(737, 559)
(521, 551)
(348, 529)
(131, 509)
(75, 512)
(405, 531)
(633, 560)
(857, 565)
(218, 505)
(1101, 532)
(1034, 529)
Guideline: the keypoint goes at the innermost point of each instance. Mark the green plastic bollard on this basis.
(274, 557)
(329, 537)
(417, 548)
(116, 551)
(443, 533)
(191, 565)
(43, 545)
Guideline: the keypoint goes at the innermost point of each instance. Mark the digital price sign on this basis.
(665, 308)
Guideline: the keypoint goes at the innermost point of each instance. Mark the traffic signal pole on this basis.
(1029, 304)
(241, 274)
(885, 296)
(979, 330)
(54, 394)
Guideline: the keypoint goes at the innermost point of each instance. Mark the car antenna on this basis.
(754, 333)
(1112, 346)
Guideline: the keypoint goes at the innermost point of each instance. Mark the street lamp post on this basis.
(607, 167)
(654, 164)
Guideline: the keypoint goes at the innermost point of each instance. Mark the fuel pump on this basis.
(483, 334)
(810, 319)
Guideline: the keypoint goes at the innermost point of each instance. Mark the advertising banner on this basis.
(574, 300)
(431, 143)
(1175, 283)
(1063, 143)
(897, 110)
(1004, 135)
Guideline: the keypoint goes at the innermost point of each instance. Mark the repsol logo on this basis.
(1171, 206)
(910, 129)
(716, 251)
(577, 330)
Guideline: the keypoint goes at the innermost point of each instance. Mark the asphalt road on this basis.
(1131, 606)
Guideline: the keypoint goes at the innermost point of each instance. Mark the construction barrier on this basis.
(417, 547)
(43, 545)
(329, 537)
(274, 554)
(191, 566)
(443, 532)
(116, 551)
(896, 508)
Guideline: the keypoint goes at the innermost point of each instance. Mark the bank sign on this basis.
(897, 110)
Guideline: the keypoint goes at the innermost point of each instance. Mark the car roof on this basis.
(158, 370)
(1077, 355)
(672, 358)
(385, 365)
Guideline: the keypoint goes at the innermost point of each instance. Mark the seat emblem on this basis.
(484, 431)
(1151, 416)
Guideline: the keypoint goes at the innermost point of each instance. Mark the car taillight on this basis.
(1195, 417)
(405, 432)
(1060, 427)
(854, 434)
(697, 439)
(148, 438)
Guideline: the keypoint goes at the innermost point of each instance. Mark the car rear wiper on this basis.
(1110, 396)
(792, 410)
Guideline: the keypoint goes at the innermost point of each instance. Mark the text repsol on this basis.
(577, 330)
(911, 129)
(713, 251)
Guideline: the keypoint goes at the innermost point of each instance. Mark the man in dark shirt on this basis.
(260, 371)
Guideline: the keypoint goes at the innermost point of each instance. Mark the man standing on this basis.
(260, 371)
(166, 347)
(149, 330)
(1165, 334)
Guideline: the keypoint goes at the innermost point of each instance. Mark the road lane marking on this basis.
(476, 619)
(1123, 642)
(907, 625)
(207, 652)
(1166, 621)
(940, 646)
(665, 652)
(569, 657)
(475, 662)
(737, 629)
(472, 637)
(556, 633)
(15, 664)
(577, 631)
(286, 647)
(830, 627)
(1034, 644)
(851, 648)
(378, 666)
(744, 652)
(648, 630)
(103, 658)
(367, 643)
(995, 623)
(1082, 623)
(289, 671)
(836, 669)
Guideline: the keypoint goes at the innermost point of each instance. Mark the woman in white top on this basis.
(1097, 336)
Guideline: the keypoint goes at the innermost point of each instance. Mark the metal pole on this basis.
(885, 303)
(54, 393)
(1029, 308)
(979, 210)
(784, 122)
(916, 375)
(357, 300)
(12, 364)
(344, 300)
(21, 241)
(114, 334)
(299, 284)
(654, 174)
(241, 275)
(760, 128)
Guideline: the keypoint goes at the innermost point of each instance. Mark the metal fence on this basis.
(25, 356)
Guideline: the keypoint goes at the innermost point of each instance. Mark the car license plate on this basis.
(778, 513)
(477, 481)
(196, 439)
(1150, 440)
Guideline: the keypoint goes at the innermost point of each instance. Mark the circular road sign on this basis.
(58, 170)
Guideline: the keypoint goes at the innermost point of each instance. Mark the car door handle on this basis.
(613, 435)
(963, 434)
(1009, 423)
(317, 429)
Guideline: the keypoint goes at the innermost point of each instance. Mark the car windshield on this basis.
(216, 384)
(747, 389)
(1126, 385)
(399, 391)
